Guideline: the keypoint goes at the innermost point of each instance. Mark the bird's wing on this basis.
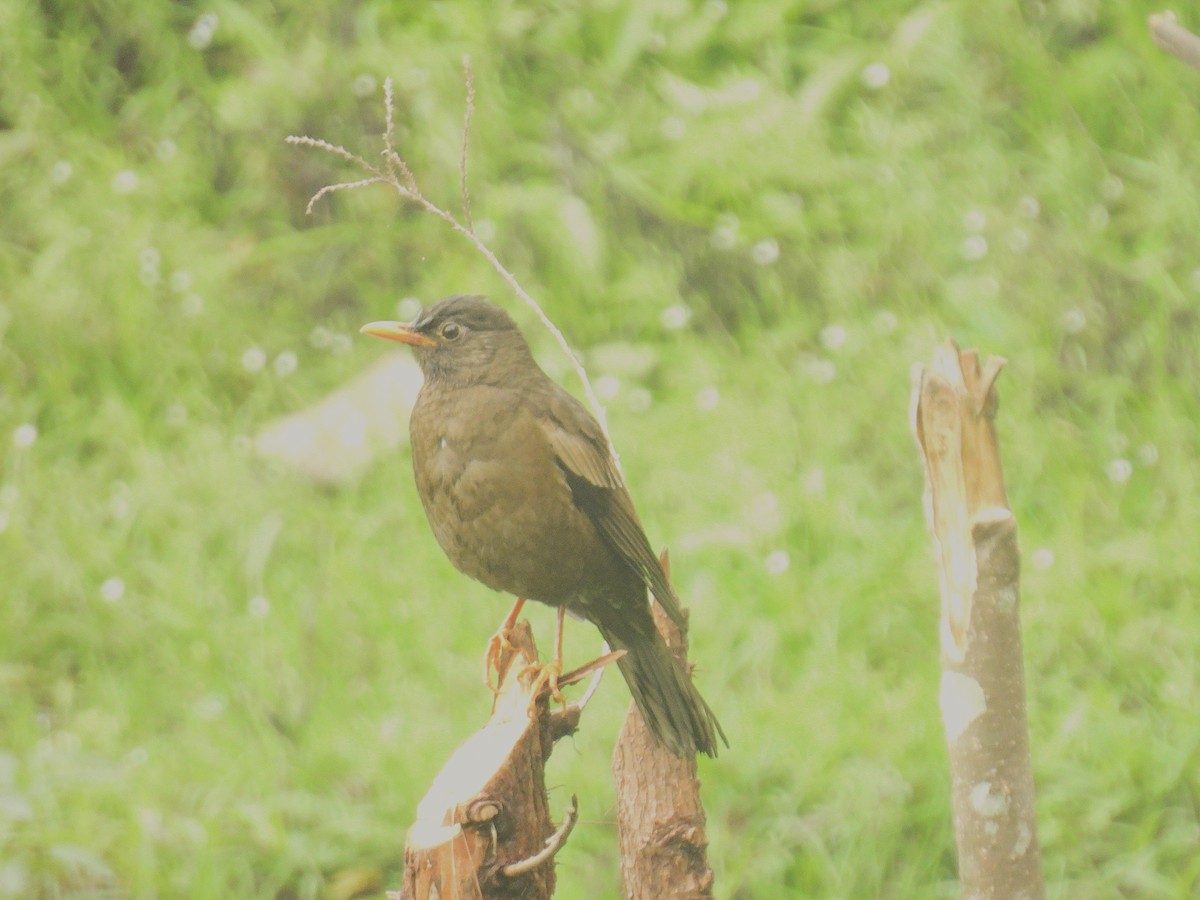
(599, 491)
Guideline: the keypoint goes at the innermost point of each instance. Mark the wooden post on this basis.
(483, 830)
(983, 682)
(660, 819)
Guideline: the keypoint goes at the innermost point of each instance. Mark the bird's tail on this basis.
(670, 705)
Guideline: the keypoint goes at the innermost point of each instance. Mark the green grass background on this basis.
(829, 188)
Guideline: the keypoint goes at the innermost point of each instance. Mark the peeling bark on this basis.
(983, 681)
(660, 819)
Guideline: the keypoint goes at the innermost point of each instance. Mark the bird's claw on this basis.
(547, 676)
(497, 645)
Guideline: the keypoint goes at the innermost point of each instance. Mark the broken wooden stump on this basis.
(483, 829)
(982, 695)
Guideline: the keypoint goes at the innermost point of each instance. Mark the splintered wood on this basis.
(483, 829)
(983, 682)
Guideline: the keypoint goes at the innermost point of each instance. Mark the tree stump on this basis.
(483, 829)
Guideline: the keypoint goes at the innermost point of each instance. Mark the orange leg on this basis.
(548, 675)
(498, 643)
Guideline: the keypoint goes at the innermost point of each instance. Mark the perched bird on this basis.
(522, 493)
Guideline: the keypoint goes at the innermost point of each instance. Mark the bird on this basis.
(523, 494)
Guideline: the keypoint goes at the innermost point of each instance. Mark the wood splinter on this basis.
(982, 696)
(483, 828)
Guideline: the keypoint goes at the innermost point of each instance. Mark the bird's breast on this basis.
(496, 499)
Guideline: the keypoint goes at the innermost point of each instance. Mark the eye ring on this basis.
(450, 331)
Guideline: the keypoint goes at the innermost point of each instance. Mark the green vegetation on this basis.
(217, 680)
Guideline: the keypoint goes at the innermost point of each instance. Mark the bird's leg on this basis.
(497, 644)
(548, 674)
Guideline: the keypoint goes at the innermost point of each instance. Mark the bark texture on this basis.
(483, 829)
(983, 682)
(660, 819)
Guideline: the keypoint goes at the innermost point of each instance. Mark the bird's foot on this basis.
(547, 676)
(497, 645)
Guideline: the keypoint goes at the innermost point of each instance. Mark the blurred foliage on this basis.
(219, 681)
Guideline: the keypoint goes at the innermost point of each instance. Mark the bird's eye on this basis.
(450, 331)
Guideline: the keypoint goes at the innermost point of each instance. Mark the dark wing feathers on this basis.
(600, 492)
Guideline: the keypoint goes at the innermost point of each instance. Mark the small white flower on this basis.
(581, 98)
(814, 482)
(764, 504)
(485, 230)
(61, 171)
(1029, 207)
(24, 435)
(1074, 320)
(364, 85)
(673, 128)
(210, 707)
(708, 397)
(974, 221)
(118, 506)
(675, 317)
(165, 150)
(778, 562)
(201, 33)
(1098, 217)
(259, 607)
(253, 359)
(1018, 240)
(974, 247)
(886, 321)
(639, 399)
(415, 77)
(1119, 470)
(765, 252)
(286, 363)
(112, 590)
(1043, 558)
(340, 344)
(320, 337)
(1147, 455)
(125, 181)
(724, 237)
(1112, 187)
(176, 415)
(191, 305)
(821, 371)
(833, 336)
(876, 75)
(608, 386)
(407, 308)
(181, 280)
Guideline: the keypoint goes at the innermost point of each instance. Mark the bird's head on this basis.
(461, 340)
